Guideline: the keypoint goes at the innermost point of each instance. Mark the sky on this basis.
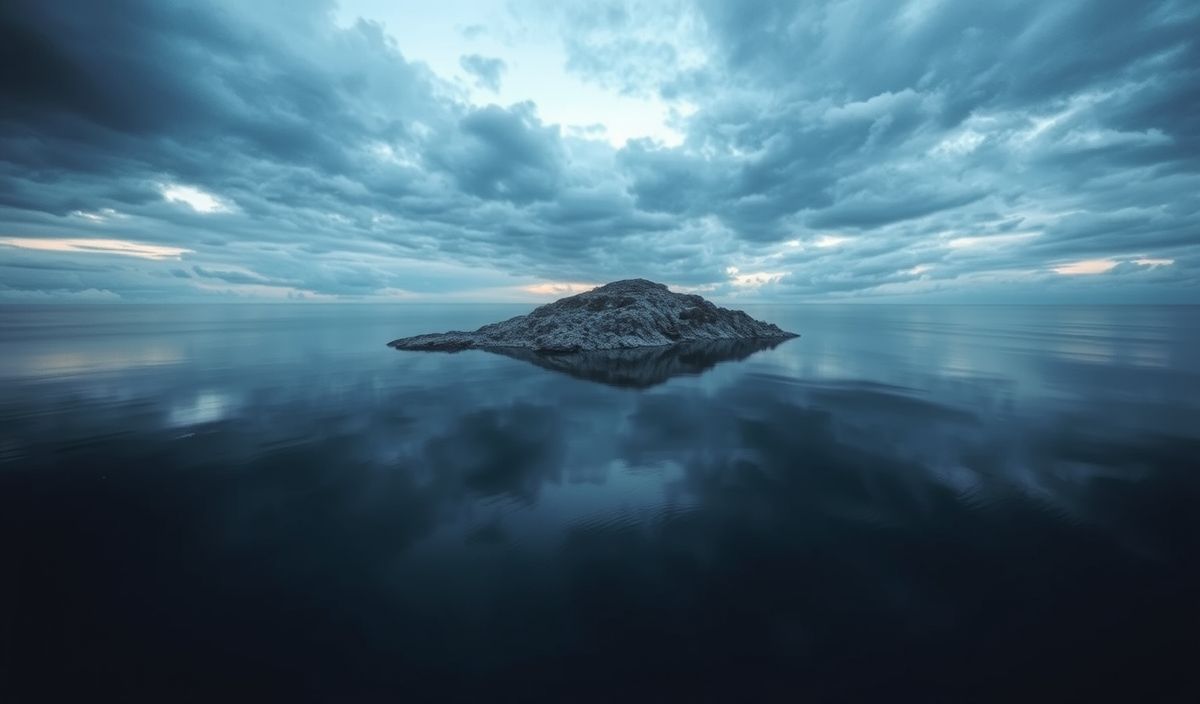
(511, 150)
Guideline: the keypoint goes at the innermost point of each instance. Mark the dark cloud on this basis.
(865, 209)
(503, 154)
(322, 158)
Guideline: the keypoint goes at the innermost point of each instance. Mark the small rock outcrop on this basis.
(621, 315)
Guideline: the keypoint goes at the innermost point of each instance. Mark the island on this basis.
(622, 315)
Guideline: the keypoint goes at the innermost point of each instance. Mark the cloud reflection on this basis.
(463, 525)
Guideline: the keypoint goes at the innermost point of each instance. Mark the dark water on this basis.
(907, 503)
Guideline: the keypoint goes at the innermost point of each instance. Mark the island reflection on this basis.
(642, 367)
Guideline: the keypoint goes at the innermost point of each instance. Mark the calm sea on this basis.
(915, 503)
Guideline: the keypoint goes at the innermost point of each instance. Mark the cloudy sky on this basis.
(865, 150)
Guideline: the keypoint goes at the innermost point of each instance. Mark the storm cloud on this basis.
(922, 150)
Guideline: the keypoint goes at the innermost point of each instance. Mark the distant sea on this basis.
(907, 503)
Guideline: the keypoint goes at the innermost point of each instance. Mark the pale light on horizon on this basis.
(753, 279)
(1086, 267)
(1101, 266)
(125, 248)
(558, 288)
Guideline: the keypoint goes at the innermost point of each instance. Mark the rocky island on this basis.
(622, 315)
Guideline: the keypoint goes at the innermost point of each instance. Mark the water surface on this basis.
(918, 502)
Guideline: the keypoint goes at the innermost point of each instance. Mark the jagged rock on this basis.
(621, 315)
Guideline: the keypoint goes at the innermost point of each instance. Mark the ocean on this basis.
(930, 503)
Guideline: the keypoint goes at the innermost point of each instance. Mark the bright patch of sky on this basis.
(526, 37)
(194, 198)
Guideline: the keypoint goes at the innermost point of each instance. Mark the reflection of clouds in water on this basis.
(54, 361)
(464, 435)
(513, 451)
(888, 457)
(869, 521)
(395, 518)
(206, 407)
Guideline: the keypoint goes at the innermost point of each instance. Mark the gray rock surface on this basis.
(621, 315)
